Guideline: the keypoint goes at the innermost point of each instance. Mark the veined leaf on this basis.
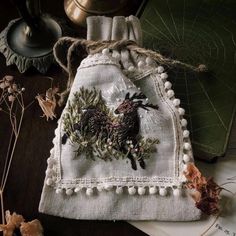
(198, 32)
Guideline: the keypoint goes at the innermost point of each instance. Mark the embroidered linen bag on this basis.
(122, 143)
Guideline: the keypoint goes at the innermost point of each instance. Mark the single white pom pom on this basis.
(51, 162)
(108, 187)
(131, 68)
(186, 133)
(170, 93)
(50, 172)
(105, 51)
(164, 76)
(186, 158)
(89, 191)
(149, 61)
(153, 190)
(131, 190)
(160, 69)
(119, 190)
(59, 190)
(141, 64)
(181, 111)
(49, 181)
(69, 192)
(77, 189)
(163, 191)
(176, 192)
(176, 102)
(187, 146)
(168, 85)
(141, 190)
(100, 188)
(184, 122)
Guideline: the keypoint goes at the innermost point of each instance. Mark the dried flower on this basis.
(14, 87)
(48, 104)
(206, 193)
(12, 222)
(11, 98)
(32, 228)
(9, 77)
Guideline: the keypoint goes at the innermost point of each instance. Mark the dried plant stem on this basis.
(2, 207)
(13, 150)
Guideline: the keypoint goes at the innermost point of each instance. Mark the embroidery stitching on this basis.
(100, 134)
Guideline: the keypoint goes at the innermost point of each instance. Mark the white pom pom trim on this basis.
(49, 181)
(59, 190)
(176, 192)
(119, 190)
(160, 69)
(181, 111)
(50, 172)
(105, 51)
(176, 102)
(187, 146)
(186, 133)
(168, 85)
(108, 187)
(153, 190)
(77, 189)
(69, 192)
(141, 190)
(170, 93)
(100, 188)
(186, 158)
(89, 191)
(51, 162)
(164, 76)
(184, 122)
(163, 192)
(131, 190)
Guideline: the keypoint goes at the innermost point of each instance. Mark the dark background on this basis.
(26, 177)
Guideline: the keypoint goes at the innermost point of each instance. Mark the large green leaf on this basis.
(199, 32)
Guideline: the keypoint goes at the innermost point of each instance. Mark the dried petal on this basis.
(11, 98)
(206, 193)
(3, 85)
(48, 107)
(12, 222)
(15, 87)
(9, 77)
(32, 228)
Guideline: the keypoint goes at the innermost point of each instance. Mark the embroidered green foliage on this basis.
(89, 105)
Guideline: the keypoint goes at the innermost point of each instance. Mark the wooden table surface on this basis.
(24, 185)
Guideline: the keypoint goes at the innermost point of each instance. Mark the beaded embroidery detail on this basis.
(91, 125)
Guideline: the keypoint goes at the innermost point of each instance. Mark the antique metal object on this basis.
(78, 10)
(28, 41)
